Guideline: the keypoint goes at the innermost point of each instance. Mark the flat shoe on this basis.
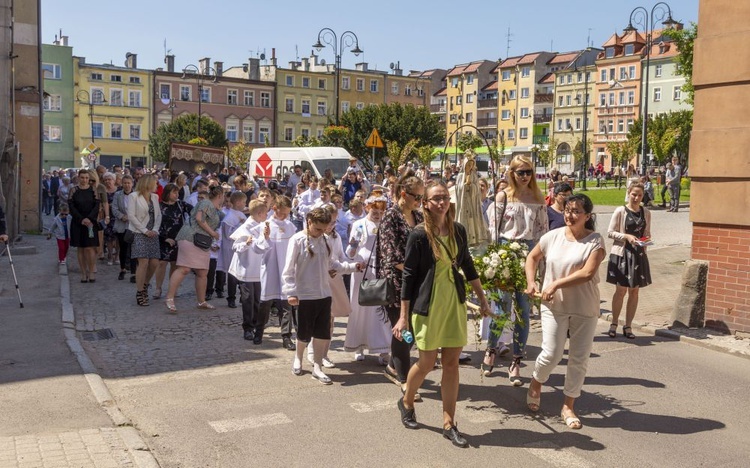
(533, 402)
(455, 437)
(571, 421)
(408, 418)
(322, 378)
(328, 364)
(205, 306)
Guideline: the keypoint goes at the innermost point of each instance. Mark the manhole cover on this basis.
(97, 335)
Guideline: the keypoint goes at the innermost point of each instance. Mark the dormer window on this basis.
(609, 52)
(629, 49)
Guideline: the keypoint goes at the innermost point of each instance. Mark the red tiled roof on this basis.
(564, 58)
(612, 41)
(548, 78)
(470, 67)
(441, 92)
(529, 58)
(632, 37)
(491, 87)
(509, 62)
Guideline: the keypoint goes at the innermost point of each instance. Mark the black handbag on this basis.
(128, 236)
(202, 241)
(378, 291)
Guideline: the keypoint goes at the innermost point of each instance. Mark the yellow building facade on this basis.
(361, 87)
(112, 110)
(463, 85)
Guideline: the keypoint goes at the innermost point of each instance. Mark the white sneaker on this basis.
(321, 377)
(62, 262)
(359, 356)
(310, 358)
(328, 364)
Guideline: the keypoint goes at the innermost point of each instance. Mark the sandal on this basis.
(533, 403)
(612, 330)
(157, 293)
(515, 365)
(205, 306)
(171, 306)
(141, 298)
(571, 421)
(627, 332)
(489, 361)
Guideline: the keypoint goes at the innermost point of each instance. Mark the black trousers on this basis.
(216, 279)
(250, 299)
(124, 251)
(400, 359)
(232, 284)
(55, 204)
(286, 317)
(664, 189)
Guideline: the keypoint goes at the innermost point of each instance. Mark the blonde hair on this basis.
(636, 184)
(431, 229)
(255, 206)
(513, 186)
(145, 185)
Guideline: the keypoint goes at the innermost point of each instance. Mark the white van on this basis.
(274, 163)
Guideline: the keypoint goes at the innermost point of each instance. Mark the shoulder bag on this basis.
(202, 241)
(377, 291)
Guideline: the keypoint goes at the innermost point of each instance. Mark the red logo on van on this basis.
(264, 166)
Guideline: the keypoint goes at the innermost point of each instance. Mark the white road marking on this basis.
(556, 456)
(253, 422)
(372, 406)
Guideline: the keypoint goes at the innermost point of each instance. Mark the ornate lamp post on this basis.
(83, 97)
(200, 75)
(640, 16)
(348, 39)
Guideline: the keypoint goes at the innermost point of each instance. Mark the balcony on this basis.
(487, 122)
(548, 97)
(542, 118)
(540, 139)
(437, 108)
(485, 103)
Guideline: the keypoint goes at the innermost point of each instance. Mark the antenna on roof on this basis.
(296, 52)
(588, 40)
(509, 40)
(551, 45)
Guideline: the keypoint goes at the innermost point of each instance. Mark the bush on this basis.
(685, 183)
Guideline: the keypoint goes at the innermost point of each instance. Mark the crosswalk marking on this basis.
(253, 422)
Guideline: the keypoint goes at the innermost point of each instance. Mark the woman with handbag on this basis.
(193, 244)
(397, 224)
(144, 219)
(173, 212)
(434, 293)
(368, 326)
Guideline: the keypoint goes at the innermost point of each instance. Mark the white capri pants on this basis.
(555, 328)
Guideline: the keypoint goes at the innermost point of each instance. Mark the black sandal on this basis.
(489, 361)
(627, 332)
(141, 298)
(612, 330)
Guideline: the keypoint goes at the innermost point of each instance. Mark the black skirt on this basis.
(631, 269)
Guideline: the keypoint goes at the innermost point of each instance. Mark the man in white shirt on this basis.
(294, 178)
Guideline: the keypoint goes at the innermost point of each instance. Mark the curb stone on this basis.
(137, 447)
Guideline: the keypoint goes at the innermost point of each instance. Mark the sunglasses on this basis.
(416, 197)
(440, 199)
(524, 173)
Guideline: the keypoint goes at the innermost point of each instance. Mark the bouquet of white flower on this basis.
(501, 268)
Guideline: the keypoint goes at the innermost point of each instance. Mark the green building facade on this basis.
(58, 130)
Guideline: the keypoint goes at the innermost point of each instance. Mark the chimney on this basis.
(169, 60)
(219, 66)
(273, 56)
(292, 65)
(204, 65)
(398, 72)
(305, 64)
(362, 66)
(64, 40)
(253, 72)
(131, 60)
(56, 41)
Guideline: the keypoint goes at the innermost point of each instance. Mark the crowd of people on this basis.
(302, 246)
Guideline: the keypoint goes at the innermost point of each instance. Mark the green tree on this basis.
(425, 155)
(395, 122)
(398, 154)
(621, 152)
(182, 130)
(466, 141)
(685, 40)
(302, 141)
(239, 154)
(546, 154)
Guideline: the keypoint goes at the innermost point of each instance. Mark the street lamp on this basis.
(83, 97)
(348, 39)
(585, 153)
(642, 17)
(200, 75)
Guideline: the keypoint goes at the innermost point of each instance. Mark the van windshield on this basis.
(337, 166)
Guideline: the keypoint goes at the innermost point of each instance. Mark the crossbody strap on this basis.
(448, 251)
(374, 249)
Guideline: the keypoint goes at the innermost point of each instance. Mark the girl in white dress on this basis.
(368, 327)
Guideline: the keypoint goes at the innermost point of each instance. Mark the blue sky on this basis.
(419, 35)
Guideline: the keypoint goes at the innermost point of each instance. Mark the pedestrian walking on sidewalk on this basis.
(61, 230)
(144, 219)
(628, 267)
(84, 208)
(570, 301)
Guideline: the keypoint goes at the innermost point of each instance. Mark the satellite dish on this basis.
(611, 82)
(392, 66)
(166, 101)
(262, 56)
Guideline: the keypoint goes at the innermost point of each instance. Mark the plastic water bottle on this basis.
(407, 336)
(91, 232)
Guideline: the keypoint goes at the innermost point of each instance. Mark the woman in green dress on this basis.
(434, 296)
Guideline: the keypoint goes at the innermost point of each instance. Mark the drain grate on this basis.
(98, 335)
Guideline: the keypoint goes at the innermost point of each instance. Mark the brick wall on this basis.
(727, 251)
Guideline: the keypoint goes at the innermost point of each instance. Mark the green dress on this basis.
(445, 325)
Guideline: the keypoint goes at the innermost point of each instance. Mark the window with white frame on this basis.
(569, 79)
(621, 98)
(249, 98)
(505, 114)
(320, 133)
(289, 105)
(407, 90)
(602, 100)
(620, 126)
(629, 124)
(505, 75)
(165, 91)
(248, 132)
(135, 132)
(232, 97)
(525, 71)
(568, 100)
(232, 130)
(97, 130)
(560, 101)
(321, 83)
(305, 133)
(470, 79)
(657, 71)
(469, 98)
(115, 130)
(603, 77)
(676, 93)
(612, 99)
(373, 86)
(454, 82)
(265, 99)
(623, 73)
(322, 108)
(51, 71)
(264, 132)
(394, 89)
(561, 79)
(135, 79)
(631, 97)
(360, 84)
(629, 49)
(512, 94)
(525, 92)
(579, 77)
(511, 134)
(53, 102)
(115, 97)
(344, 106)
(631, 72)
(610, 126)
(524, 112)
(134, 98)
(578, 123)
(360, 105)
(305, 81)
(559, 125)
(52, 133)
(469, 117)
(115, 78)
(346, 82)
(567, 125)
(205, 94)
(96, 77)
(290, 80)
(657, 94)
(306, 107)
(288, 133)
(609, 52)
(185, 92)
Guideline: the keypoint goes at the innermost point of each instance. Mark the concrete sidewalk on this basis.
(50, 414)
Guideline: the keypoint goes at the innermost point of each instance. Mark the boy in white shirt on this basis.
(233, 219)
(308, 198)
(245, 267)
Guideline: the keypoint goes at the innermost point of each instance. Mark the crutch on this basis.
(15, 278)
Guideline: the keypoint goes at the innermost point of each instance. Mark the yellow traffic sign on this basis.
(374, 140)
(92, 147)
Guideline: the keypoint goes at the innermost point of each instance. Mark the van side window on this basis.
(306, 166)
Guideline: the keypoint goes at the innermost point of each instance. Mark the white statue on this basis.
(469, 203)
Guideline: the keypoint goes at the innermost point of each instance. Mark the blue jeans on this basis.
(520, 332)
